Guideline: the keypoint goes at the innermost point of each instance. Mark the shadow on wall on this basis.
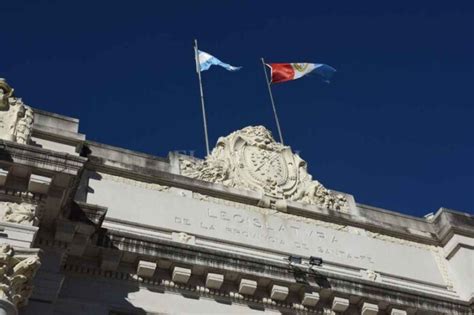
(93, 296)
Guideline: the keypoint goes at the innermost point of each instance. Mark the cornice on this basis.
(323, 281)
(261, 266)
(370, 218)
(42, 160)
(450, 222)
(61, 136)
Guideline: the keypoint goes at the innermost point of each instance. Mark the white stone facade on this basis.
(93, 229)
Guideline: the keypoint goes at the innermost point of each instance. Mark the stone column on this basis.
(17, 270)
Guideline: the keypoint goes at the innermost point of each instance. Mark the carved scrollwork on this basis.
(16, 275)
(22, 213)
(16, 119)
(251, 159)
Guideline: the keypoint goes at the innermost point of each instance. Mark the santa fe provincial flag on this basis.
(282, 72)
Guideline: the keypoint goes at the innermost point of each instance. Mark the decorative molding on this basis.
(21, 213)
(339, 287)
(251, 159)
(436, 250)
(39, 158)
(16, 119)
(16, 275)
(442, 263)
(371, 275)
(133, 182)
(183, 238)
(200, 290)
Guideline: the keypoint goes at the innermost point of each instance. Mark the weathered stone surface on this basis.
(242, 224)
(16, 275)
(183, 238)
(22, 213)
(310, 299)
(396, 311)
(146, 268)
(339, 304)
(247, 286)
(16, 119)
(181, 275)
(266, 229)
(214, 280)
(369, 309)
(279, 292)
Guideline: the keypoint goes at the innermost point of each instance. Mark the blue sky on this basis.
(394, 128)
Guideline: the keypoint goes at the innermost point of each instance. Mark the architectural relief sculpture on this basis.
(16, 119)
(251, 159)
(22, 213)
(16, 275)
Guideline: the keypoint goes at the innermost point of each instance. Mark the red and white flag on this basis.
(282, 72)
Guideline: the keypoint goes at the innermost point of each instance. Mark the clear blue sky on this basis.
(394, 128)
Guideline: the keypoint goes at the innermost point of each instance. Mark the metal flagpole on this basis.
(198, 70)
(273, 103)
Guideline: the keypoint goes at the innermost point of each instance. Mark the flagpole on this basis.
(198, 70)
(273, 103)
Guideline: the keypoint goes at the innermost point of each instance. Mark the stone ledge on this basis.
(58, 135)
(196, 289)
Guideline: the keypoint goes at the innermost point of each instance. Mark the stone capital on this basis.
(17, 271)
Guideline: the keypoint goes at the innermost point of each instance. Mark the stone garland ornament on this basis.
(251, 159)
(16, 119)
(16, 275)
(21, 213)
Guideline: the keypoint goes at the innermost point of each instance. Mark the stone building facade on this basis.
(87, 228)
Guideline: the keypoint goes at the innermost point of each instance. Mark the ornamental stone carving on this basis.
(16, 119)
(22, 213)
(16, 275)
(251, 159)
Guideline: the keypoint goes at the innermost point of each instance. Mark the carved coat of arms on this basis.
(251, 159)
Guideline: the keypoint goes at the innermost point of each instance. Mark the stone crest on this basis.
(16, 119)
(251, 159)
(16, 275)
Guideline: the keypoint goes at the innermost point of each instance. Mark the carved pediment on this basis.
(16, 119)
(251, 159)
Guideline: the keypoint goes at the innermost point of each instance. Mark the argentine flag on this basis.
(206, 61)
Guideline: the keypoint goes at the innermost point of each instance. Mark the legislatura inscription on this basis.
(279, 233)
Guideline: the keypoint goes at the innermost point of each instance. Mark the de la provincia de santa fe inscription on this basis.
(293, 234)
